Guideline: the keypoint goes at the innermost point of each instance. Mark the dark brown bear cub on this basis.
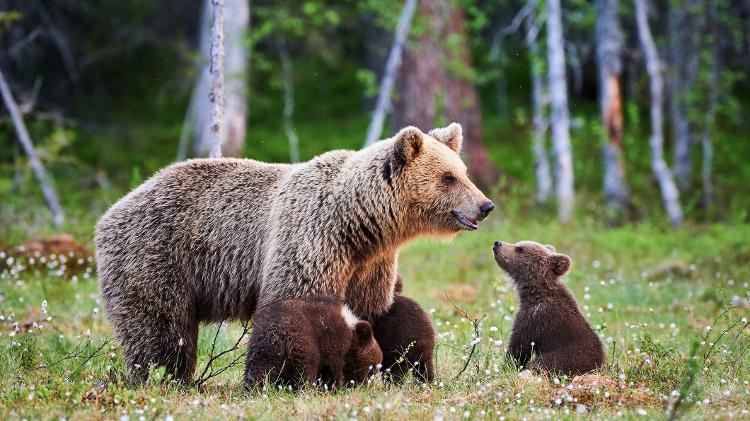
(319, 340)
(407, 338)
(548, 322)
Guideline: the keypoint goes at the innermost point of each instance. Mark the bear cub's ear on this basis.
(560, 264)
(363, 332)
(409, 144)
(551, 248)
(452, 136)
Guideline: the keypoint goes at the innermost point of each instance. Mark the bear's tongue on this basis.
(469, 223)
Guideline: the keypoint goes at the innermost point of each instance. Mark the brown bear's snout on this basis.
(485, 209)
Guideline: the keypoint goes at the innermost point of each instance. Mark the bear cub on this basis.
(548, 323)
(407, 339)
(298, 341)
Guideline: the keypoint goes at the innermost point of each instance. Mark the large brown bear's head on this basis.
(429, 173)
(364, 356)
(530, 263)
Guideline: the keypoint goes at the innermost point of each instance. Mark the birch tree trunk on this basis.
(389, 75)
(288, 113)
(560, 119)
(429, 86)
(538, 105)
(669, 193)
(197, 120)
(609, 59)
(50, 195)
(683, 60)
(217, 80)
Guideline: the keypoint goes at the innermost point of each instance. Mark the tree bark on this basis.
(389, 75)
(433, 83)
(683, 67)
(609, 42)
(216, 97)
(50, 195)
(197, 120)
(538, 105)
(560, 119)
(669, 193)
(288, 81)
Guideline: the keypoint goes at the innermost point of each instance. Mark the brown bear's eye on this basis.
(449, 179)
(519, 249)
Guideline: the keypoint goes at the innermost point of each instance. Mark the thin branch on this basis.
(48, 191)
(477, 331)
(515, 24)
(208, 372)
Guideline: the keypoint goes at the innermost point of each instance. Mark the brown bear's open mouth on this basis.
(468, 223)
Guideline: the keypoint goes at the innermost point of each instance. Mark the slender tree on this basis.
(713, 96)
(435, 83)
(195, 130)
(216, 97)
(683, 56)
(389, 75)
(670, 195)
(560, 119)
(609, 42)
(287, 72)
(50, 195)
(538, 106)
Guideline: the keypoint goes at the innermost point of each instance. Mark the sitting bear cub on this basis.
(548, 322)
(407, 339)
(299, 341)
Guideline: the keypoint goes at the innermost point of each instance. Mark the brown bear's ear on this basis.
(560, 264)
(409, 144)
(551, 248)
(363, 332)
(452, 136)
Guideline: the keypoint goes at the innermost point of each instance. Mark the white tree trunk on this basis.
(538, 105)
(50, 195)
(669, 193)
(216, 97)
(560, 119)
(197, 120)
(608, 54)
(288, 113)
(389, 75)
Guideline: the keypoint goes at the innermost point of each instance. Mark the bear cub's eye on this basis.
(448, 178)
(519, 249)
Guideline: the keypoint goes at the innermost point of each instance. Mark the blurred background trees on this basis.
(554, 96)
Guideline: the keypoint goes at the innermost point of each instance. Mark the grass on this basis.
(651, 293)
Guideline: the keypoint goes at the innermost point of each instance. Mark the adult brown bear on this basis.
(207, 240)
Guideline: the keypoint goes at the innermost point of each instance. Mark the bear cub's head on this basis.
(528, 262)
(364, 356)
(427, 169)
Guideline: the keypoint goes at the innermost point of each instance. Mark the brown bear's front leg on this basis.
(370, 290)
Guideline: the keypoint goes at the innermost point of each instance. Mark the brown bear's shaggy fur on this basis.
(548, 322)
(317, 339)
(407, 339)
(207, 240)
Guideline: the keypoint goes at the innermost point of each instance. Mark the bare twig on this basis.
(49, 192)
(78, 353)
(477, 323)
(208, 371)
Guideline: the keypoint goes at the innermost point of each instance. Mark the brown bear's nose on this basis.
(498, 243)
(486, 208)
